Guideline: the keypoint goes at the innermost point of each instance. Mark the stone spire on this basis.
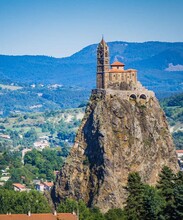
(102, 65)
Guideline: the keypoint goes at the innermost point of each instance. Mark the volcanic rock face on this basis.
(117, 136)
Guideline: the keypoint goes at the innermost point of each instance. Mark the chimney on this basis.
(29, 213)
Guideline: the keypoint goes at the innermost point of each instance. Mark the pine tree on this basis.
(115, 214)
(153, 203)
(178, 198)
(166, 185)
(135, 188)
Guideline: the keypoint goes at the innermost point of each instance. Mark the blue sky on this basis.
(62, 27)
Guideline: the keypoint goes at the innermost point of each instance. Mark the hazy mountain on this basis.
(151, 59)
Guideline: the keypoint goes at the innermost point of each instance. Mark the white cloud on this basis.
(177, 67)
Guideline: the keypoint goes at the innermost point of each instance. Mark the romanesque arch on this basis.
(133, 96)
(143, 96)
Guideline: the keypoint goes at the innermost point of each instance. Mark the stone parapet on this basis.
(139, 93)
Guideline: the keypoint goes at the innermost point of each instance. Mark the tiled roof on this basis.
(49, 184)
(116, 71)
(117, 63)
(121, 71)
(44, 216)
(18, 185)
(179, 151)
(66, 216)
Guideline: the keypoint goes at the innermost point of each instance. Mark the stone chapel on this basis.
(114, 77)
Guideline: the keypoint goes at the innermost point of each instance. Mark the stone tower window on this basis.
(143, 96)
(133, 96)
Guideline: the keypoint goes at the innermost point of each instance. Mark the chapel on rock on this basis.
(115, 77)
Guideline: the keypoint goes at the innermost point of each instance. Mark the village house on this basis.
(5, 176)
(40, 145)
(179, 153)
(41, 187)
(19, 187)
(180, 158)
(5, 136)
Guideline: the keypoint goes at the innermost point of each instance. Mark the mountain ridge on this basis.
(151, 59)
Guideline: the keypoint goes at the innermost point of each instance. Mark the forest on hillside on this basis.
(164, 201)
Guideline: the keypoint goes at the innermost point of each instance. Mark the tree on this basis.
(68, 205)
(115, 214)
(153, 203)
(96, 214)
(166, 185)
(22, 202)
(85, 213)
(178, 198)
(134, 208)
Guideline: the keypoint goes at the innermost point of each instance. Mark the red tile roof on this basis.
(66, 216)
(121, 71)
(179, 151)
(18, 185)
(116, 71)
(49, 184)
(117, 63)
(43, 216)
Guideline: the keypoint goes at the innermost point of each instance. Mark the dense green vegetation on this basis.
(22, 202)
(55, 129)
(173, 107)
(37, 165)
(165, 201)
(43, 163)
(40, 98)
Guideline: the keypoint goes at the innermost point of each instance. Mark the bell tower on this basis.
(102, 65)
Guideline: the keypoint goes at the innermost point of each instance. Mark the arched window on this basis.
(143, 96)
(133, 96)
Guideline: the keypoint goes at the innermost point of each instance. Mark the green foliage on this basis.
(143, 202)
(178, 202)
(115, 214)
(21, 175)
(135, 188)
(166, 183)
(12, 159)
(43, 163)
(178, 139)
(80, 207)
(171, 188)
(173, 107)
(27, 99)
(30, 137)
(22, 202)
(153, 203)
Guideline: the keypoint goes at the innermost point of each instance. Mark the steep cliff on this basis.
(117, 136)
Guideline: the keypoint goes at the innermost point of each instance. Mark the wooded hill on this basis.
(159, 65)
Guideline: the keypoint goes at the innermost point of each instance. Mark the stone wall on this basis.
(138, 93)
